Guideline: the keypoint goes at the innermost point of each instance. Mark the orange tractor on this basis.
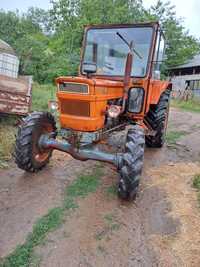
(118, 89)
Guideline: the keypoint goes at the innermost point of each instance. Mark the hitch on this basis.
(87, 152)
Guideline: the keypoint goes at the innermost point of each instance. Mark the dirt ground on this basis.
(161, 228)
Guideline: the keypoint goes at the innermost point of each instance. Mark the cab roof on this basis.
(121, 25)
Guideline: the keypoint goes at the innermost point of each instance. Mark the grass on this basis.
(196, 184)
(23, 255)
(173, 136)
(7, 137)
(196, 181)
(111, 225)
(41, 94)
(111, 191)
(84, 184)
(190, 105)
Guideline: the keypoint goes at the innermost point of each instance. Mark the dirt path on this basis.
(162, 228)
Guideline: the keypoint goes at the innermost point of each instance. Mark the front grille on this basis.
(77, 108)
(79, 88)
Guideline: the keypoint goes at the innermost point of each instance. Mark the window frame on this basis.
(156, 62)
(154, 26)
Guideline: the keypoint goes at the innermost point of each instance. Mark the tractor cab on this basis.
(105, 50)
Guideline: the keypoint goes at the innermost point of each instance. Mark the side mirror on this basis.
(89, 67)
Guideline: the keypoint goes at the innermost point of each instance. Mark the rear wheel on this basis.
(131, 164)
(157, 118)
(28, 155)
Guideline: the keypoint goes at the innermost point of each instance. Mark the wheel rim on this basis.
(41, 155)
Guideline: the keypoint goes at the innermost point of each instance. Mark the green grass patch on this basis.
(23, 255)
(196, 184)
(7, 139)
(173, 136)
(111, 225)
(109, 218)
(111, 191)
(69, 203)
(41, 94)
(190, 105)
(196, 181)
(49, 222)
(101, 249)
(85, 184)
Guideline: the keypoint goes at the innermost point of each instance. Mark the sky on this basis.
(189, 10)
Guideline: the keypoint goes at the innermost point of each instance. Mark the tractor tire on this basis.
(131, 164)
(157, 118)
(28, 155)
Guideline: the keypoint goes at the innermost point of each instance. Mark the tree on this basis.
(180, 45)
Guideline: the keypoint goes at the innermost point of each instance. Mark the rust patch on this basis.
(15, 95)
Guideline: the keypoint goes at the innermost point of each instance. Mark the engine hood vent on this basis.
(74, 88)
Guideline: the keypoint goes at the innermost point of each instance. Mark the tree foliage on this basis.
(48, 42)
(181, 46)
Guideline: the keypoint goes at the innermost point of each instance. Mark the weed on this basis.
(109, 217)
(173, 136)
(114, 227)
(7, 138)
(196, 181)
(85, 184)
(112, 222)
(46, 224)
(100, 235)
(35, 260)
(69, 203)
(101, 249)
(196, 184)
(111, 191)
(111, 225)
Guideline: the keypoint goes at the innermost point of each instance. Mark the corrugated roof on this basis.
(195, 62)
(6, 48)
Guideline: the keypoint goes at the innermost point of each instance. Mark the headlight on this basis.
(114, 111)
(135, 100)
(52, 105)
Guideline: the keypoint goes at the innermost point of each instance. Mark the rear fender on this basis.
(156, 89)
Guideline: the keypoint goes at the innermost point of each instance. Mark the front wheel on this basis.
(28, 155)
(131, 164)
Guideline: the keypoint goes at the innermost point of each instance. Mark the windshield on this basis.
(108, 51)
